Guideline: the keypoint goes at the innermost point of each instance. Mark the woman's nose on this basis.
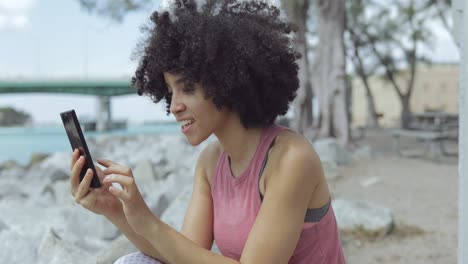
(176, 106)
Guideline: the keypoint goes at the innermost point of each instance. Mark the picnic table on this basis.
(434, 121)
(433, 129)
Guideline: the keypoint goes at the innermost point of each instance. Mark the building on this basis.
(435, 89)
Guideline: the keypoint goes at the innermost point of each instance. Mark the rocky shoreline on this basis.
(41, 223)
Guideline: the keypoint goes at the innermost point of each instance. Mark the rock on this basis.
(330, 149)
(120, 246)
(12, 172)
(144, 172)
(83, 223)
(17, 215)
(175, 183)
(12, 117)
(330, 169)
(55, 250)
(11, 191)
(58, 160)
(8, 165)
(175, 213)
(370, 181)
(56, 192)
(215, 248)
(57, 174)
(158, 203)
(37, 158)
(164, 168)
(363, 217)
(71, 222)
(3, 226)
(16, 248)
(363, 153)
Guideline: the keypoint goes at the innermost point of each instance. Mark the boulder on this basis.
(16, 248)
(81, 223)
(330, 149)
(8, 165)
(58, 160)
(11, 191)
(12, 172)
(59, 193)
(119, 247)
(37, 158)
(3, 225)
(57, 174)
(175, 213)
(363, 153)
(158, 202)
(54, 250)
(144, 172)
(330, 169)
(359, 216)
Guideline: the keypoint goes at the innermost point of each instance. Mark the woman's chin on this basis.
(195, 140)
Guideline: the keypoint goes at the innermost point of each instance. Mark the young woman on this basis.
(225, 68)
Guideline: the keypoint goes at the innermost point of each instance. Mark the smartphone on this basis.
(77, 141)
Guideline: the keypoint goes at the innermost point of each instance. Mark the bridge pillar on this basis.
(104, 117)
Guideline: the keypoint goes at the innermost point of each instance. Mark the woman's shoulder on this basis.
(293, 150)
(290, 142)
(208, 158)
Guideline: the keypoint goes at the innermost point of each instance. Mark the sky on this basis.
(52, 39)
(57, 39)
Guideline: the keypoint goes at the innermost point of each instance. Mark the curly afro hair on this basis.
(240, 52)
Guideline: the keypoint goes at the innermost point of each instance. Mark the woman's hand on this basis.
(137, 212)
(97, 200)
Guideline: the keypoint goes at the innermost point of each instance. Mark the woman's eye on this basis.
(188, 90)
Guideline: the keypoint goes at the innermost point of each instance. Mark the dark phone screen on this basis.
(73, 134)
(76, 139)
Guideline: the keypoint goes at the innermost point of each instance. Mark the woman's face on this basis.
(197, 116)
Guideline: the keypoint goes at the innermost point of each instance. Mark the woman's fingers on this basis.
(74, 157)
(120, 179)
(118, 169)
(119, 174)
(83, 188)
(100, 173)
(106, 163)
(115, 168)
(127, 183)
(75, 174)
(122, 195)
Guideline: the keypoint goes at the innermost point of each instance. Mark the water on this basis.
(19, 143)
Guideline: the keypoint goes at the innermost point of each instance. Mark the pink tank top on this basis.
(236, 203)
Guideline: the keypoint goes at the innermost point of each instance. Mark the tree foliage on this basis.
(391, 35)
(12, 117)
(114, 9)
(383, 37)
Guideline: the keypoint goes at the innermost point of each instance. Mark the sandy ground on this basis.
(422, 193)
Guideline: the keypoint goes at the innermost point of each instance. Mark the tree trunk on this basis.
(329, 71)
(303, 116)
(405, 112)
(372, 119)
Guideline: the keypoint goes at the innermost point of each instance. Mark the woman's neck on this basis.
(238, 142)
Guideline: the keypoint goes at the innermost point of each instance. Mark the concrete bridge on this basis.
(103, 89)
